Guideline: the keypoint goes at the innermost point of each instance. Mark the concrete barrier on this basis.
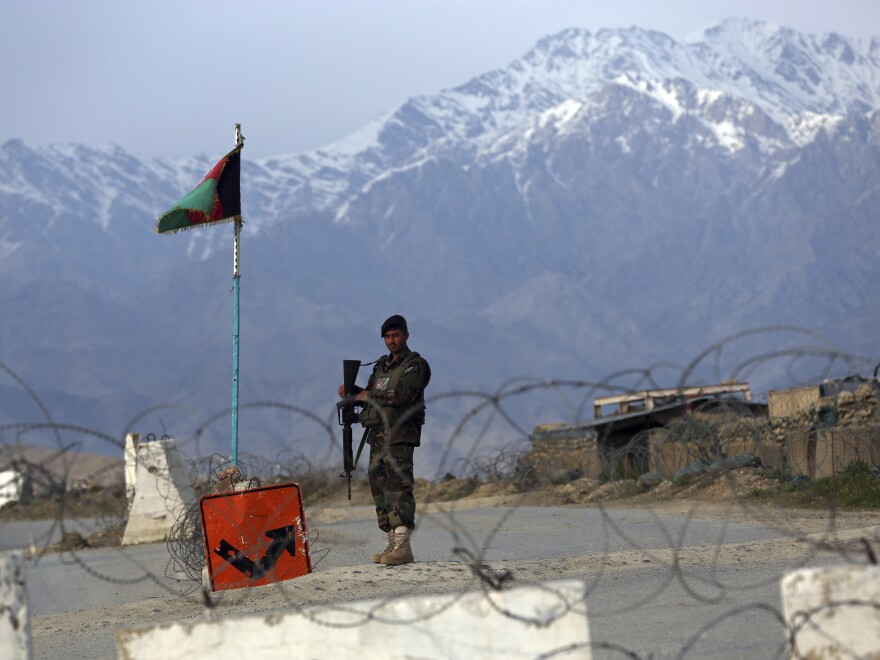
(15, 625)
(130, 454)
(833, 612)
(11, 486)
(517, 623)
(161, 492)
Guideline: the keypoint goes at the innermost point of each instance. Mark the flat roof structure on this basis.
(649, 398)
(642, 410)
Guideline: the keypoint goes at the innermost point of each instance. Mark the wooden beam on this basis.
(623, 401)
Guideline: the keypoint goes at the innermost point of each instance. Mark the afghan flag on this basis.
(216, 199)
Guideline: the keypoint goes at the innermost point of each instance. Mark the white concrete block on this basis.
(11, 485)
(15, 625)
(517, 623)
(130, 454)
(162, 490)
(833, 612)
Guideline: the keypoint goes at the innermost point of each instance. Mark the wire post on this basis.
(236, 275)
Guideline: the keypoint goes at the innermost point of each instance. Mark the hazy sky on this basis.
(170, 78)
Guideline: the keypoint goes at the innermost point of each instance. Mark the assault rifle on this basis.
(347, 416)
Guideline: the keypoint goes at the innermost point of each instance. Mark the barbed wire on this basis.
(730, 446)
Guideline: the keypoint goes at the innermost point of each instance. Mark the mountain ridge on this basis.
(574, 213)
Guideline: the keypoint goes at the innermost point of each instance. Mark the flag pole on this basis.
(236, 275)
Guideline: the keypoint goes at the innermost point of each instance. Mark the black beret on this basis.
(392, 322)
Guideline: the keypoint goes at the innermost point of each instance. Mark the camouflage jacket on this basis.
(400, 396)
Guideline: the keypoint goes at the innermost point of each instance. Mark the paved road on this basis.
(536, 532)
(40, 533)
(642, 605)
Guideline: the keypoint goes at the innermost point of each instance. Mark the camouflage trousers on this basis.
(391, 483)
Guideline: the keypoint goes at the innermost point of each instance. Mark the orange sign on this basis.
(255, 537)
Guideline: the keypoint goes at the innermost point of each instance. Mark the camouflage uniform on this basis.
(396, 432)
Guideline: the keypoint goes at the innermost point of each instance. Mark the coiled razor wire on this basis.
(715, 438)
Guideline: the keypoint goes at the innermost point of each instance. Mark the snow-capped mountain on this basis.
(801, 82)
(608, 200)
(796, 84)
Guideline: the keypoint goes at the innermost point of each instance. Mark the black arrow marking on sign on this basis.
(282, 539)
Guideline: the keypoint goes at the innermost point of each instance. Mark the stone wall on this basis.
(564, 459)
(791, 403)
(825, 436)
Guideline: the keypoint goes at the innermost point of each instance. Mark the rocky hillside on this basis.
(608, 200)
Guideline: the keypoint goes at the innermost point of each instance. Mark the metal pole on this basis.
(235, 285)
(236, 275)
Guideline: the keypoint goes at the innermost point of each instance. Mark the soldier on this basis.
(394, 412)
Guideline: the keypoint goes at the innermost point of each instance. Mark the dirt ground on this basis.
(806, 535)
(813, 536)
(67, 466)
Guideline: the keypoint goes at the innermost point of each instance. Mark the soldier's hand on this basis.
(341, 391)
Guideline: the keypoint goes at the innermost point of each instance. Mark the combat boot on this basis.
(377, 558)
(401, 552)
